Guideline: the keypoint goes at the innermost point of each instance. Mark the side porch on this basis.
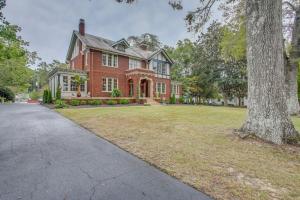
(65, 79)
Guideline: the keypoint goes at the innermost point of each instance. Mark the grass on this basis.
(196, 145)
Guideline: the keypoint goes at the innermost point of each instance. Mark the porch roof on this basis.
(66, 70)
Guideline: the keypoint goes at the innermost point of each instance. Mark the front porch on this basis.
(65, 79)
(140, 83)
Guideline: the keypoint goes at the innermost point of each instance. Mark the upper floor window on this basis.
(160, 67)
(109, 60)
(133, 64)
(108, 84)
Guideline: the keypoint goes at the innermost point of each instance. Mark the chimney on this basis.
(81, 27)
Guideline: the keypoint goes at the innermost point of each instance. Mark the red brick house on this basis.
(114, 64)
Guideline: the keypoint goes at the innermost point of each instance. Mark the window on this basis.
(159, 66)
(154, 66)
(108, 84)
(73, 84)
(104, 84)
(110, 60)
(163, 69)
(175, 89)
(82, 87)
(65, 83)
(161, 88)
(133, 64)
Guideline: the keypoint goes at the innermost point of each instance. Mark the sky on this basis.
(48, 24)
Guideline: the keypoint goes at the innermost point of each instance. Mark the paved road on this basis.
(45, 156)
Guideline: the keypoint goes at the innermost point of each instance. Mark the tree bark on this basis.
(292, 71)
(267, 115)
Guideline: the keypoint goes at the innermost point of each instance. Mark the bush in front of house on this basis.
(95, 102)
(172, 99)
(181, 100)
(60, 104)
(124, 101)
(45, 94)
(116, 93)
(58, 93)
(47, 97)
(7, 94)
(83, 102)
(111, 102)
(74, 102)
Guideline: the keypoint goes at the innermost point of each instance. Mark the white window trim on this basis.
(106, 84)
(135, 62)
(107, 55)
(161, 90)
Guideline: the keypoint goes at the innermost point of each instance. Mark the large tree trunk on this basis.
(292, 71)
(267, 115)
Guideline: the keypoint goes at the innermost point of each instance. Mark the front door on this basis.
(144, 88)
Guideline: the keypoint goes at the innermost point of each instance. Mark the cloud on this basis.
(48, 25)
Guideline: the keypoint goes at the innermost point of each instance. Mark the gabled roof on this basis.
(163, 52)
(122, 41)
(99, 43)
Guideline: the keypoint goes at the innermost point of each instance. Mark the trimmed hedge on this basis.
(7, 94)
(111, 102)
(124, 101)
(95, 102)
(74, 102)
(60, 104)
(47, 96)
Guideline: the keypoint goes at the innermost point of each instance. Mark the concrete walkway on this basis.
(45, 156)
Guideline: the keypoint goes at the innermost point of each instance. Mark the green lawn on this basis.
(196, 145)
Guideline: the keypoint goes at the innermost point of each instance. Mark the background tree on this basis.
(14, 57)
(292, 27)
(147, 39)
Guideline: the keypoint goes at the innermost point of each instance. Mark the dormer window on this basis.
(121, 45)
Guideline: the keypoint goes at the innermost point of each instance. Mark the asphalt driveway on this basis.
(44, 156)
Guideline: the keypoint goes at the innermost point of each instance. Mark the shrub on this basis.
(116, 93)
(147, 104)
(95, 102)
(181, 100)
(173, 99)
(124, 101)
(49, 97)
(111, 102)
(83, 102)
(60, 104)
(45, 96)
(34, 95)
(75, 102)
(58, 92)
(7, 93)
